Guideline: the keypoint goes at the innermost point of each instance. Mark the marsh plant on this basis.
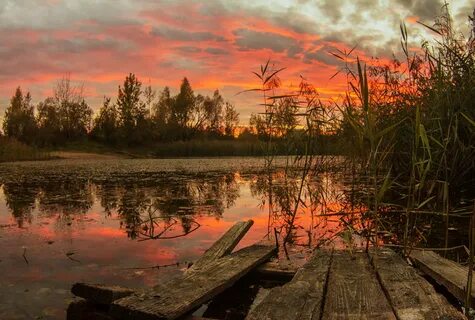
(407, 129)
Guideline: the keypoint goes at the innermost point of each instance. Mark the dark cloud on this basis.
(247, 39)
(294, 50)
(50, 15)
(424, 9)
(332, 9)
(23, 57)
(78, 45)
(216, 51)
(293, 20)
(188, 49)
(184, 35)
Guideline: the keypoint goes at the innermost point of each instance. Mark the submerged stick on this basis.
(24, 255)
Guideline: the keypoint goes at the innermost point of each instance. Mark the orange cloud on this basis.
(214, 48)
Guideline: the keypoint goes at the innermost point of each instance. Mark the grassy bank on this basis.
(208, 148)
(189, 148)
(13, 150)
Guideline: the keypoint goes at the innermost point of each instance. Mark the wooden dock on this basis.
(377, 284)
(447, 273)
(358, 285)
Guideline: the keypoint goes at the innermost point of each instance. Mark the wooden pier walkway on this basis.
(344, 285)
(332, 285)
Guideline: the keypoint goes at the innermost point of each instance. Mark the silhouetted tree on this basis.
(132, 111)
(75, 114)
(161, 114)
(199, 115)
(106, 123)
(49, 124)
(285, 118)
(182, 108)
(136, 118)
(162, 108)
(258, 124)
(64, 117)
(214, 113)
(19, 121)
(231, 119)
(149, 96)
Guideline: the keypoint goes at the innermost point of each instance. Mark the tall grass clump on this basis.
(407, 128)
(294, 124)
(13, 150)
(410, 125)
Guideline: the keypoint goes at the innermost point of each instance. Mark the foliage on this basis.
(14, 150)
(139, 117)
(19, 121)
(106, 124)
(231, 119)
(64, 117)
(132, 111)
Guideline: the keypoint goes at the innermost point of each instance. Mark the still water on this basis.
(112, 221)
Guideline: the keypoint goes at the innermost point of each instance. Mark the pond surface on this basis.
(137, 222)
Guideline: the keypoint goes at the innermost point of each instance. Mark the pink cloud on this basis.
(215, 50)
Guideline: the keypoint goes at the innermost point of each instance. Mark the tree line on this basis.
(139, 115)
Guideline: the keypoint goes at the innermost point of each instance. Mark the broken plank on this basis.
(301, 298)
(100, 293)
(447, 273)
(181, 295)
(353, 290)
(410, 295)
(224, 245)
(262, 293)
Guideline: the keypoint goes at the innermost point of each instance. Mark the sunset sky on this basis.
(215, 43)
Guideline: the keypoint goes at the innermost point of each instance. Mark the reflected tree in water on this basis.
(149, 207)
(20, 200)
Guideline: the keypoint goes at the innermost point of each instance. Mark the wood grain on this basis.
(354, 291)
(100, 293)
(181, 295)
(224, 245)
(447, 273)
(411, 296)
(299, 299)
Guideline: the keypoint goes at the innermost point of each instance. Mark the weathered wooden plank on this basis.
(445, 272)
(353, 290)
(224, 245)
(262, 293)
(278, 268)
(299, 299)
(100, 293)
(180, 295)
(410, 295)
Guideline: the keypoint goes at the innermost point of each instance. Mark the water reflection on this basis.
(163, 208)
(158, 205)
(113, 217)
(322, 213)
